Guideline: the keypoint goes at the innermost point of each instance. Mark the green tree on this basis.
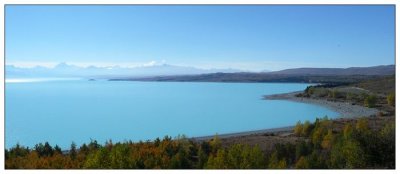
(309, 90)
(302, 149)
(44, 150)
(316, 160)
(347, 154)
(302, 163)
(245, 157)
(327, 140)
(255, 158)
(98, 160)
(276, 163)
(348, 131)
(18, 151)
(307, 127)
(215, 144)
(202, 155)
(120, 157)
(317, 136)
(219, 161)
(235, 156)
(298, 129)
(72, 151)
(57, 149)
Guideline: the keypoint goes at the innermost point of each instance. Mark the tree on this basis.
(275, 163)
(348, 131)
(317, 136)
(235, 156)
(72, 151)
(302, 163)
(347, 154)
(57, 149)
(93, 145)
(302, 149)
(245, 157)
(48, 150)
(180, 160)
(255, 158)
(98, 160)
(157, 142)
(309, 90)
(306, 128)
(215, 144)
(328, 140)
(17, 151)
(316, 160)
(298, 129)
(44, 150)
(120, 157)
(219, 161)
(202, 156)
(84, 149)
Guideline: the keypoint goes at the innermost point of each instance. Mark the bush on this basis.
(370, 101)
(362, 125)
(391, 99)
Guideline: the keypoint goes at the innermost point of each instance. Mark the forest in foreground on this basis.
(356, 145)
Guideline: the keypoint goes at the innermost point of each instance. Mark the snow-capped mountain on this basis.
(68, 70)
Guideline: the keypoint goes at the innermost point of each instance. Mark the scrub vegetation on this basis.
(323, 145)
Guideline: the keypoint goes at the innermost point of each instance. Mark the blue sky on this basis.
(242, 37)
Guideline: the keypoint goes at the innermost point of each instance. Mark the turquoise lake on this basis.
(62, 112)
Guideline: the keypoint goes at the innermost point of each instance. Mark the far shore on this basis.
(346, 110)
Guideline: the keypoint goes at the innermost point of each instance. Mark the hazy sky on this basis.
(241, 37)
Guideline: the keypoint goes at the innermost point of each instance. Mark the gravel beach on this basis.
(346, 110)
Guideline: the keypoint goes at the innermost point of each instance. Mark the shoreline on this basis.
(279, 130)
(346, 110)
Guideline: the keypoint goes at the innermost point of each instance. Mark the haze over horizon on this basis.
(51, 65)
(246, 38)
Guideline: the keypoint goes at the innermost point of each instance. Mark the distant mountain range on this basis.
(67, 70)
(374, 70)
(165, 72)
(303, 75)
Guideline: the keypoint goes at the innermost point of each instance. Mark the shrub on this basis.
(391, 99)
(370, 101)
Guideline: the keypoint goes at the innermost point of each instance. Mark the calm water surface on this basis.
(78, 110)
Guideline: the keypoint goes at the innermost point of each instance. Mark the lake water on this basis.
(79, 110)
